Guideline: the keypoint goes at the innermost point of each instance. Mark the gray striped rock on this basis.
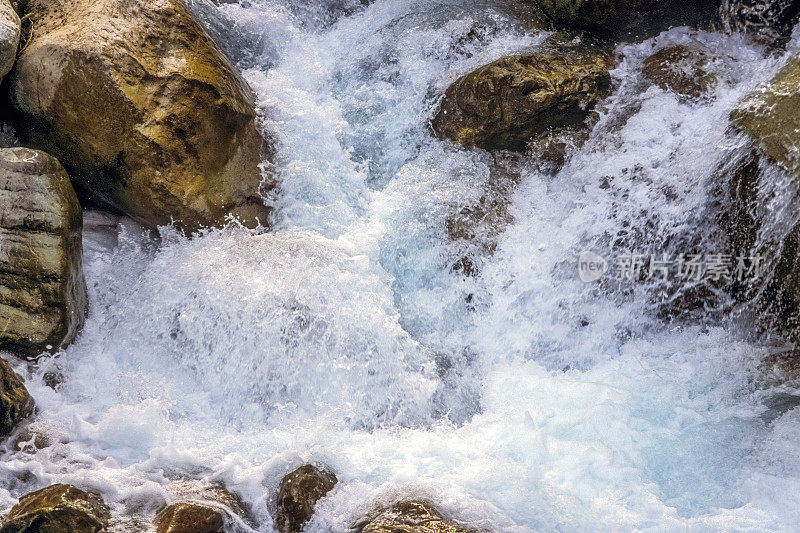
(43, 301)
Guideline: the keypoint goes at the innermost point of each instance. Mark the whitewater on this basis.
(516, 398)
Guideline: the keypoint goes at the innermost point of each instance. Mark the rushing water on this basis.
(518, 398)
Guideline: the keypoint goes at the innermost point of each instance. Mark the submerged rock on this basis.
(769, 22)
(43, 301)
(142, 109)
(409, 517)
(627, 19)
(299, 492)
(15, 402)
(57, 509)
(186, 517)
(681, 70)
(505, 104)
(9, 37)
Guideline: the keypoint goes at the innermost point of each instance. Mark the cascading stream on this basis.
(518, 398)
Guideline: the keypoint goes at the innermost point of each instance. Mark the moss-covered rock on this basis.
(15, 402)
(187, 517)
(299, 492)
(57, 509)
(9, 37)
(142, 109)
(43, 301)
(504, 104)
(409, 517)
(681, 70)
(771, 117)
(627, 19)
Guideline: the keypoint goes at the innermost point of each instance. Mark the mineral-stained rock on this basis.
(504, 104)
(409, 517)
(15, 402)
(43, 299)
(771, 117)
(299, 492)
(767, 21)
(142, 109)
(9, 37)
(57, 509)
(681, 70)
(187, 517)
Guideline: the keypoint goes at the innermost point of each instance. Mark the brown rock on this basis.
(409, 517)
(186, 517)
(299, 492)
(681, 70)
(43, 300)
(771, 117)
(142, 109)
(15, 402)
(505, 104)
(58, 509)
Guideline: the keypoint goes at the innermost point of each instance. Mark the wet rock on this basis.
(186, 517)
(214, 493)
(552, 148)
(43, 299)
(58, 509)
(142, 109)
(771, 117)
(505, 104)
(409, 517)
(475, 227)
(15, 402)
(769, 22)
(299, 492)
(9, 37)
(681, 70)
(627, 19)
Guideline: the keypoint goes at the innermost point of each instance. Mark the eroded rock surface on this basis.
(298, 494)
(9, 37)
(187, 517)
(681, 70)
(142, 109)
(505, 104)
(43, 301)
(58, 509)
(409, 517)
(15, 402)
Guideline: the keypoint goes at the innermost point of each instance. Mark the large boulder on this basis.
(767, 21)
(43, 301)
(9, 37)
(505, 104)
(143, 110)
(188, 517)
(298, 494)
(15, 402)
(57, 509)
(409, 517)
(771, 117)
(627, 19)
